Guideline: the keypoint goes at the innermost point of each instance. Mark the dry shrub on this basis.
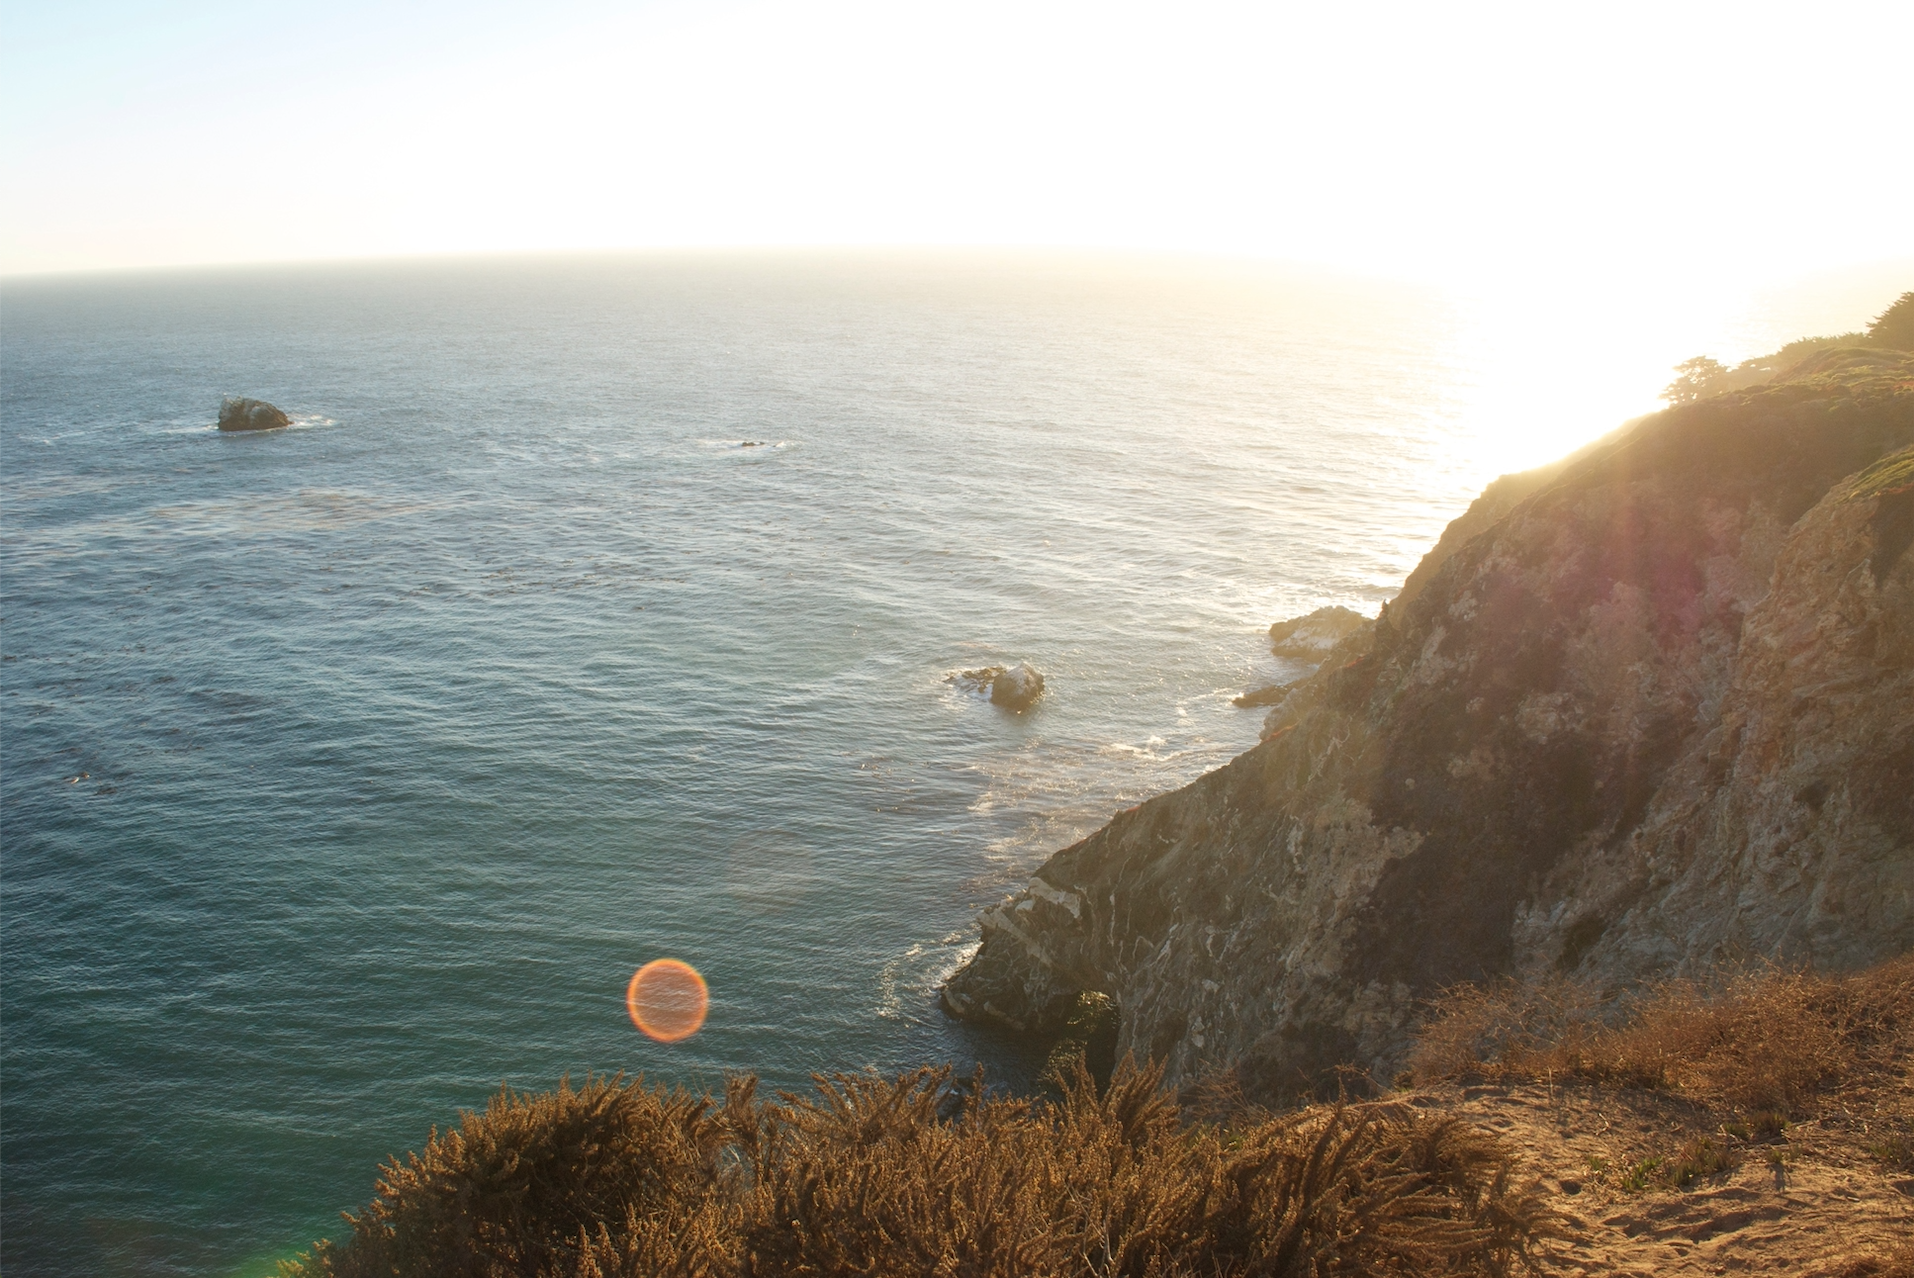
(1759, 1042)
(1895, 1150)
(1501, 1030)
(866, 1179)
(916, 1176)
(1368, 1189)
(1900, 1264)
(509, 1191)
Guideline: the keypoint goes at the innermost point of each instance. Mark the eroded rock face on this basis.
(1786, 830)
(1656, 714)
(1309, 638)
(250, 414)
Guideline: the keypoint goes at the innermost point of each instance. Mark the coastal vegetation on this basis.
(1758, 1119)
(927, 1173)
(1766, 1046)
(1702, 376)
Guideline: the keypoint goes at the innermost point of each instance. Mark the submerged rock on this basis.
(250, 414)
(1648, 717)
(1012, 687)
(1309, 638)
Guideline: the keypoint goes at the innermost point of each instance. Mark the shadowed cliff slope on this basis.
(1646, 711)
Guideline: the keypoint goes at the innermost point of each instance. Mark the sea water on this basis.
(600, 610)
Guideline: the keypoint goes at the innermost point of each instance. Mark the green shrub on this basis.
(1699, 1159)
(1642, 1175)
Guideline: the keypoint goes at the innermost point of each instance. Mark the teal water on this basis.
(351, 770)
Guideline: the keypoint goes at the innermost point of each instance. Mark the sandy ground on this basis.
(1811, 1201)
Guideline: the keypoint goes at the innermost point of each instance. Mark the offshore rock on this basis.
(250, 414)
(1012, 687)
(1016, 688)
(1653, 713)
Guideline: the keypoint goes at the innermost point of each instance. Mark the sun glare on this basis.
(667, 1000)
(1441, 143)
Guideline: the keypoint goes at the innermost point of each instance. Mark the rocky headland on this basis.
(1645, 712)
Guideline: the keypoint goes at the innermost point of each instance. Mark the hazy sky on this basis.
(1459, 141)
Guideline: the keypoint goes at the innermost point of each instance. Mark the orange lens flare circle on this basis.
(667, 1000)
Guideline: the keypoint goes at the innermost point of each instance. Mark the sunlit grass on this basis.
(926, 1175)
(1763, 1043)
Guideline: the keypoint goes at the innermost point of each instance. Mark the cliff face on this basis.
(1642, 712)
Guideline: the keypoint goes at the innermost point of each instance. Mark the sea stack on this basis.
(250, 414)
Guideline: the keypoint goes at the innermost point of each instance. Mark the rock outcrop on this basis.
(1271, 695)
(1648, 710)
(250, 414)
(1309, 638)
(1015, 687)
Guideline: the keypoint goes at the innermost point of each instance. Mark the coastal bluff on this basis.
(1641, 713)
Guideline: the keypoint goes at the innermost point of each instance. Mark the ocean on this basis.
(598, 610)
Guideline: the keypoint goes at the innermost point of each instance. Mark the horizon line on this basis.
(818, 249)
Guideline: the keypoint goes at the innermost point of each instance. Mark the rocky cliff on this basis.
(1640, 713)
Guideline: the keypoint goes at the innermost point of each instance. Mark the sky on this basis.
(1521, 145)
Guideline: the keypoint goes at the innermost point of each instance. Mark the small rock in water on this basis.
(1268, 696)
(1017, 688)
(250, 414)
(1012, 687)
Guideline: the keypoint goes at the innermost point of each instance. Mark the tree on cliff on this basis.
(1894, 327)
(1697, 380)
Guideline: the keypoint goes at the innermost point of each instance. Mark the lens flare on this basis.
(667, 1000)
